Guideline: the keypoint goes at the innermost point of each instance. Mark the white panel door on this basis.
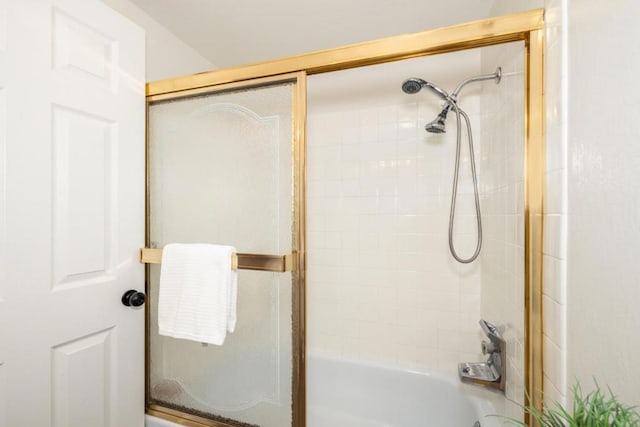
(72, 117)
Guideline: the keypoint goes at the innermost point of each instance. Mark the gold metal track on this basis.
(259, 262)
(484, 32)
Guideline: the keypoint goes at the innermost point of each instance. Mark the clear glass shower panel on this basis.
(220, 171)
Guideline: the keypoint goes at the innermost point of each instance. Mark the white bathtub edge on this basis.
(151, 421)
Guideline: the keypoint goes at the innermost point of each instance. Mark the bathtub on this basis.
(150, 421)
(355, 394)
(349, 394)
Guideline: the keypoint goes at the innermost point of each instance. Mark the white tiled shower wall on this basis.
(381, 283)
(502, 178)
(555, 203)
(555, 209)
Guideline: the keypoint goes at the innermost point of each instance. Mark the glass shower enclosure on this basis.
(224, 167)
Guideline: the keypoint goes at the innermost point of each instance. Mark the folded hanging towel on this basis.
(198, 292)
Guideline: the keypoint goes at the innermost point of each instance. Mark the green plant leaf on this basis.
(596, 409)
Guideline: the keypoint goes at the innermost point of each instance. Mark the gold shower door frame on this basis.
(527, 27)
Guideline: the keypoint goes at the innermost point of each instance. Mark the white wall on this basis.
(167, 55)
(382, 285)
(604, 195)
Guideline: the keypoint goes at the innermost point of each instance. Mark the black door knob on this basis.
(133, 298)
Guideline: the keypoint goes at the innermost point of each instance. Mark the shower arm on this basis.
(497, 75)
(453, 98)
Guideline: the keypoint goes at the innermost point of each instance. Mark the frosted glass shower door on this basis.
(222, 169)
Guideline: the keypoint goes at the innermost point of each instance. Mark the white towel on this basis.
(198, 292)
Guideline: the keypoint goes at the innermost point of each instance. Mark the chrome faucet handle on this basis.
(489, 329)
(491, 373)
(492, 333)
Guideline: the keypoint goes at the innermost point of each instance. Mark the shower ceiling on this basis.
(235, 32)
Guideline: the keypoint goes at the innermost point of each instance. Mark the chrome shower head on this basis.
(414, 85)
(438, 124)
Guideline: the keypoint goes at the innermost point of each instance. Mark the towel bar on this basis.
(276, 263)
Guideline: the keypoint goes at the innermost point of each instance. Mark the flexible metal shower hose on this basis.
(454, 194)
